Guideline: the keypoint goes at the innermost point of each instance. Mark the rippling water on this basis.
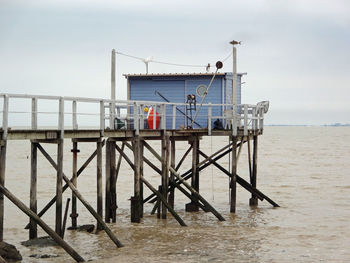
(304, 169)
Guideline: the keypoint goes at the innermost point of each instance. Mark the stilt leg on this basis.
(2, 183)
(135, 200)
(254, 199)
(74, 213)
(165, 171)
(233, 181)
(99, 182)
(33, 231)
(113, 179)
(192, 207)
(141, 174)
(58, 225)
(172, 177)
(108, 183)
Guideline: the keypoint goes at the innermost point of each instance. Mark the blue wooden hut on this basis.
(176, 87)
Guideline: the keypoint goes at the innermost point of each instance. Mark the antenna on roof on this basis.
(146, 61)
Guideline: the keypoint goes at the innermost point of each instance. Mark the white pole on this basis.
(234, 77)
(113, 82)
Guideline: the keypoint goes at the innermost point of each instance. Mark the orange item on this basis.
(150, 119)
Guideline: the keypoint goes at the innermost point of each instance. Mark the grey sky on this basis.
(295, 52)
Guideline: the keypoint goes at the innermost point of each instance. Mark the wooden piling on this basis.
(108, 183)
(2, 183)
(141, 174)
(58, 225)
(99, 182)
(193, 207)
(165, 172)
(171, 196)
(233, 181)
(136, 201)
(113, 179)
(253, 201)
(33, 232)
(74, 214)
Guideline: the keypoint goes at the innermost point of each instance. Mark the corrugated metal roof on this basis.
(176, 74)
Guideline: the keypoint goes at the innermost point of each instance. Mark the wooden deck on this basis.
(50, 134)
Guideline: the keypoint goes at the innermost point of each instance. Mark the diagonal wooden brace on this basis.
(242, 182)
(64, 188)
(189, 187)
(82, 200)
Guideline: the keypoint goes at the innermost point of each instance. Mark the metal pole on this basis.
(113, 84)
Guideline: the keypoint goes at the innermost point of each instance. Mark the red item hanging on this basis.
(150, 118)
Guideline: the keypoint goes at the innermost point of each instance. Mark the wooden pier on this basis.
(243, 124)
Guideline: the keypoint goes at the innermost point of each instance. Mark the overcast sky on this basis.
(296, 53)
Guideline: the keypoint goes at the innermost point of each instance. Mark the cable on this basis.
(169, 63)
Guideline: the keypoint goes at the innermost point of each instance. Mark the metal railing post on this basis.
(163, 114)
(74, 117)
(174, 116)
(234, 120)
(136, 119)
(142, 121)
(34, 113)
(61, 117)
(154, 116)
(209, 118)
(5, 115)
(102, 116)
(245, 127)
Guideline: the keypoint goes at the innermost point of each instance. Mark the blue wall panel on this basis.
(176, 89)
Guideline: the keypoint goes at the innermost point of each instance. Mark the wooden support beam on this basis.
(161, 197)
(181, 179)
(99, 182)
(33, 231)
(2, 183)
(171, 197)
(191, 197)
(40, 222)
(65, 217)
(254, 200)
(82, 200)
(242, 182)
(173, 185)
(108, 183)
(136, 199)
(141, 173)
(188, 174)
(182, 159)
(120, 158)
(165, 171)
(53, 200)
(58, 224)
(233, 181)
(74, 215)
(193, 207)
(113, 183)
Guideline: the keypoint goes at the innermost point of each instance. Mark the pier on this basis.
(243, 124)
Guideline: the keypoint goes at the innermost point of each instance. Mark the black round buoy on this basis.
(219, 65)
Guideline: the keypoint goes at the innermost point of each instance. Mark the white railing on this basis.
(128, 112)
